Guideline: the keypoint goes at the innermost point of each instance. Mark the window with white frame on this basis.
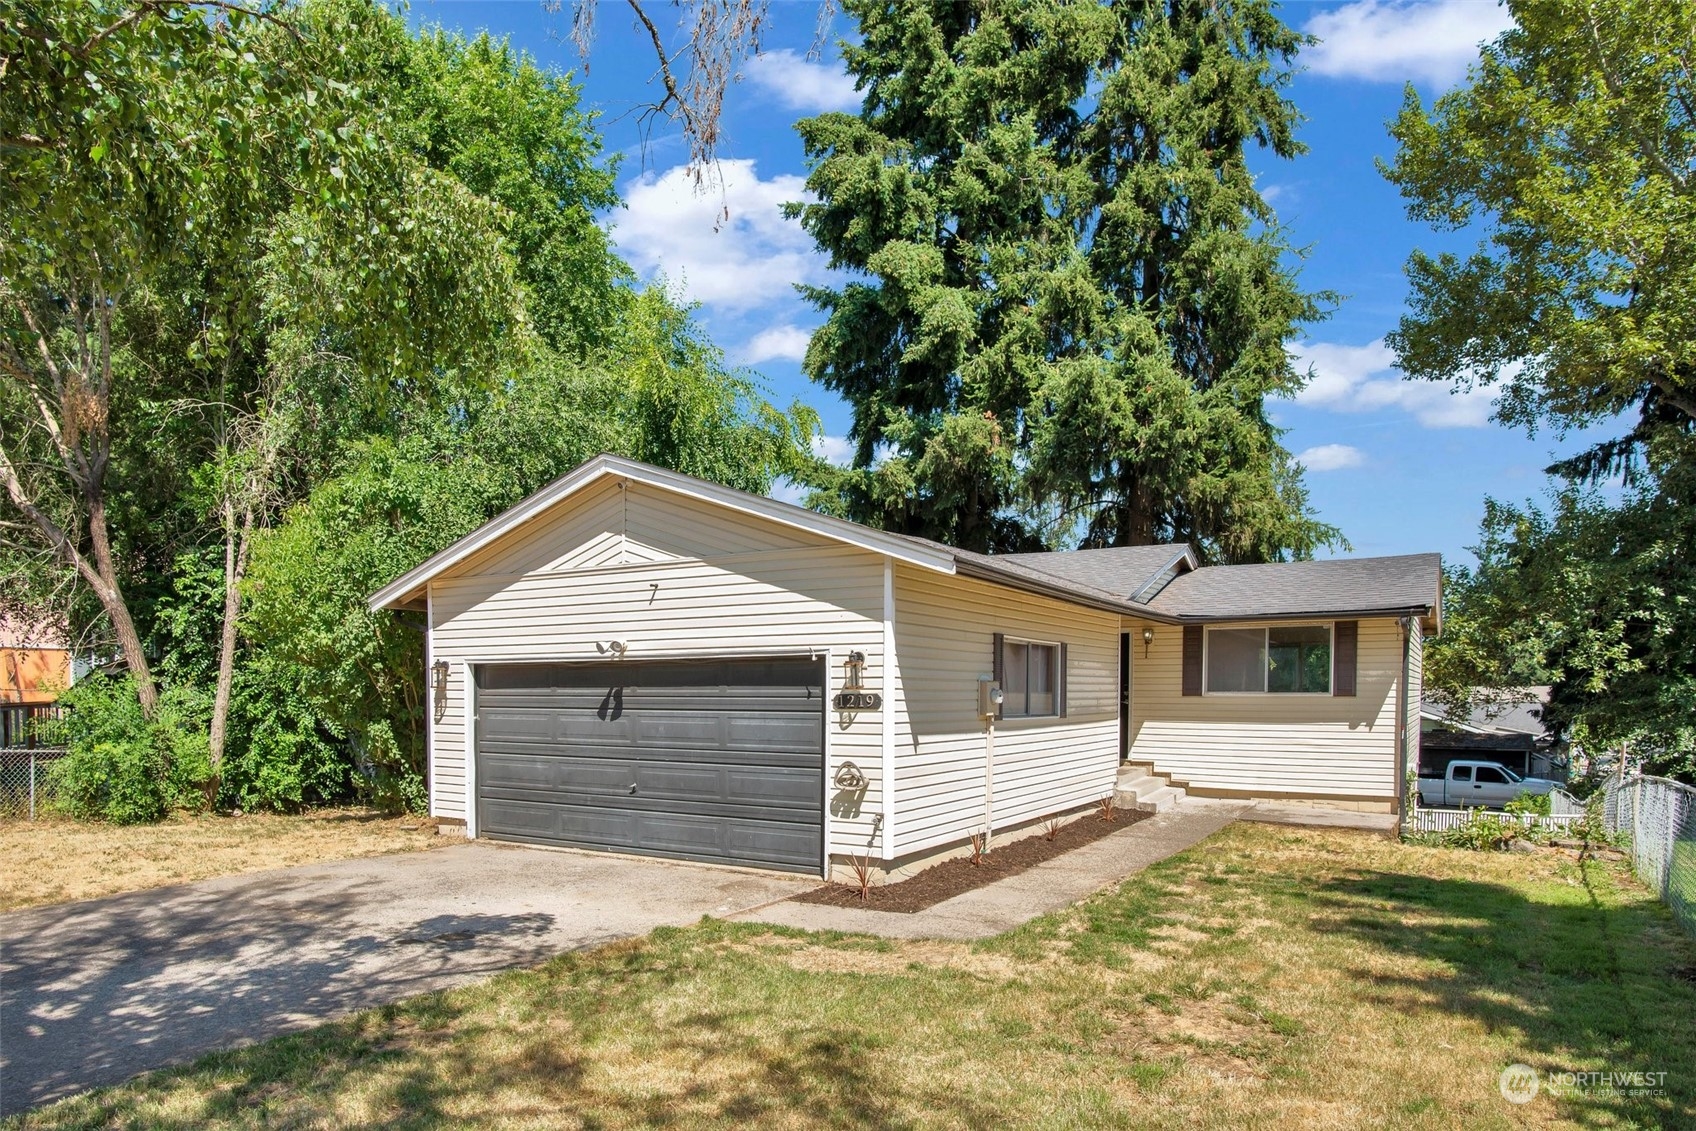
(1031, 679)
(1292, 659)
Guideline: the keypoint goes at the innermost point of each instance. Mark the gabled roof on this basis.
(1406, 584)
(1130, 571)
(1515, 711)
(408, 588)
(1119, 579)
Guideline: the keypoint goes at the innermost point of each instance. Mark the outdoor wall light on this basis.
(856, 668)
(439, 683)
(1147, 639)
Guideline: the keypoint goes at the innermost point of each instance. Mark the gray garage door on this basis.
(719, 760)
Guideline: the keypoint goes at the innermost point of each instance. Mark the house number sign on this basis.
(857, 701)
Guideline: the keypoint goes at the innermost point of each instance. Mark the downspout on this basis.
(988, 780)
(1401, 719)
(887, 735)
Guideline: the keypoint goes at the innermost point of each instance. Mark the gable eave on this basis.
(408, 589)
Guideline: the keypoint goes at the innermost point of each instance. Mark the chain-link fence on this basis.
(1660, 817)
(31, 739)
(24, 787)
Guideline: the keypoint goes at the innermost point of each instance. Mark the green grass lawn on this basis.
(1270, 977)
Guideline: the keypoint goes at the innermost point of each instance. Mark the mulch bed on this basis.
(951, 877)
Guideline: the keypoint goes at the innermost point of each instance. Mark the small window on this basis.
(1030, 679)
(1489, 775)
(1463, 773)
(1293, 659)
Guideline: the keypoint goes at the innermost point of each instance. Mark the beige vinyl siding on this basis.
(1269, 744)
(771, 601)
(613, 522)
(447, 746)
(944, 631)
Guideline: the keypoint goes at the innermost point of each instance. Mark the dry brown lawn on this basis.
(55, 860)
(1269, 977)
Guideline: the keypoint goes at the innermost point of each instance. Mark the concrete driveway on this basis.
(93, 993)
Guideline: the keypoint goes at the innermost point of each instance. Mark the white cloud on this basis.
(779, 343)
(734, 262)
(800, 83)
(1331, 457)
(833, 449)
(788, 491)
(1365, 379)
(1398, 40)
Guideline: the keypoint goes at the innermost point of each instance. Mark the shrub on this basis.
(123, 768)
(1482, 831)
(1529, 804)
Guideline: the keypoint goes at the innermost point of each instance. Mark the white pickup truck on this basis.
(1466, 785)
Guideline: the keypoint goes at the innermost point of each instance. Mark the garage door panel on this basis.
(548, 822)
(775, 759)
(504, 772)
(726, 758)
(739, 730)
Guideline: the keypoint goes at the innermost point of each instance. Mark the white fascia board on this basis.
(785, 514)
(1187, 555)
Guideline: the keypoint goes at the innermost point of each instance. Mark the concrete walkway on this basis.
(1313, 817)
(1007, 903)
(93, 993)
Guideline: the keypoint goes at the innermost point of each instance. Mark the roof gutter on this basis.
(1329, 614)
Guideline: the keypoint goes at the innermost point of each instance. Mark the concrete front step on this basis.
(1161, 799)
(1139, 787)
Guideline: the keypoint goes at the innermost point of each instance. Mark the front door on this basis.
(1124, 696)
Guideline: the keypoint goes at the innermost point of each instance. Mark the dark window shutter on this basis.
(999, 669)
(1192, 659)
(1060, 685)
(1345, 648)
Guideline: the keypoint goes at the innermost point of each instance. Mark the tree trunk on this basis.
(117, 608)
(100, 574)
(236, 546)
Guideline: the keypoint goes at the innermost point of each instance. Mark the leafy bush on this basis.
(123, 768)
(1528, 803)
(281, 756)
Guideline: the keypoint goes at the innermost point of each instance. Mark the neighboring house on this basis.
(635, 660)
(35, 663)
(35, 669)
(1506, 727)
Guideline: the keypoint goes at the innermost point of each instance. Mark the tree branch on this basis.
(47, 528)
(1646, 146)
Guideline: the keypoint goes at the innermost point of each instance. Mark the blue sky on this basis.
(1399, 466)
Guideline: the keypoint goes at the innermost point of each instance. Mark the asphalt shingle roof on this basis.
(1345, 585)
(1123, 570)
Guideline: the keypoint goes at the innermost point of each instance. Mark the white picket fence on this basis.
(1441, 820)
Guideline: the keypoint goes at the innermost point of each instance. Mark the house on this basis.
(35, 662)
(35, 668)
(1503, 726)
(636, 660)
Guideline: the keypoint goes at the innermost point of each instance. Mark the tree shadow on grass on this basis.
(547, 1053)
(1587, 983)
(95, 992)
